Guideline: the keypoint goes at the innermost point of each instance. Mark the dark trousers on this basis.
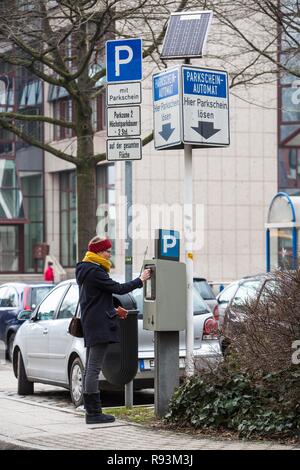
(94, 359)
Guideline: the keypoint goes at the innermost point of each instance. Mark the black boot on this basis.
(93, 411)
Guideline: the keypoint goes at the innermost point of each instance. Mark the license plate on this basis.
(148, 364)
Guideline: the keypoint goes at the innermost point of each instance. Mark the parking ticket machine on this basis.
(165, 296)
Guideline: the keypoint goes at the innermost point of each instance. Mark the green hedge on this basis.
(268, 405)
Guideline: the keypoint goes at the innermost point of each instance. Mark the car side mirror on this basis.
(24, 315)
(36, 316)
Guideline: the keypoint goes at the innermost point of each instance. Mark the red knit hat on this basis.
(99, 245)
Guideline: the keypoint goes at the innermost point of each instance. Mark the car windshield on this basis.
(226, 295)
(199, 304)
(38, 294)
(204, 289)
(247, 291)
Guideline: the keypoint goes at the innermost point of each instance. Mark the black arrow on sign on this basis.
(166, 131)
(206, 129)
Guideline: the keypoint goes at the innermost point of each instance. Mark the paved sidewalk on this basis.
(25, 424)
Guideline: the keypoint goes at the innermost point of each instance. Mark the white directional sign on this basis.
(123, 93)
(166, 108)
(123, 149)
(124, 121)
(205, 107)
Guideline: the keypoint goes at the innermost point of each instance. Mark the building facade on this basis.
(232, 187)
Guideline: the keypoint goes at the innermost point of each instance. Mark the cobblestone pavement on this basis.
(60, 397)
(48, 420)
(45, 427)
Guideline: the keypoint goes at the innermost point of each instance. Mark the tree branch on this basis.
(36, 143)
(37, 118)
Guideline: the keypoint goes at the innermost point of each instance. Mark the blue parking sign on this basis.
(168, 245)
(124, 60)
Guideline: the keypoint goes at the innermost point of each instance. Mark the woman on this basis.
(99, 318)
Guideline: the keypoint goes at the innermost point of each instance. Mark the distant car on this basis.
(207, 295)
(45, 352)
(224, 298)
(236, 294)
(15, 297)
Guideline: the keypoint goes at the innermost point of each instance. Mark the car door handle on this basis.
(45, 331)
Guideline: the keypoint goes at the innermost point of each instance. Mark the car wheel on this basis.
(24, 386)
(10, 344)
(76, 382)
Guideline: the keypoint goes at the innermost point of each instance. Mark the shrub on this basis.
(238, 401)
(256, 390)
(270, 324)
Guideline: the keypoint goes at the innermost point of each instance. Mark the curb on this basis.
(13, 444)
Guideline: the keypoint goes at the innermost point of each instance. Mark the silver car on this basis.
(236, 294)
(45, 352)
(207, 295)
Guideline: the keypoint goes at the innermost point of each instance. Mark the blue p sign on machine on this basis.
(168, 245)
(124, 60)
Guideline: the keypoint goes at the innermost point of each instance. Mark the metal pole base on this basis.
(166, 379)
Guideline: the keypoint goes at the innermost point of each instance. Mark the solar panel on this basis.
(186, 34)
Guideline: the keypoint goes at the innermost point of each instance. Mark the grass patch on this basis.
(136, 414)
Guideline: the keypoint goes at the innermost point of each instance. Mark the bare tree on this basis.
(62, 43)
(261, 38)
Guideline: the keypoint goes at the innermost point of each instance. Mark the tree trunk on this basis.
(86, 178)
(86, 205)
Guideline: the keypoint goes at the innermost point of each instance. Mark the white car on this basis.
(45, 352)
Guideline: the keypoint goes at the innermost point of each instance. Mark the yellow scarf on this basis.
(91, 257)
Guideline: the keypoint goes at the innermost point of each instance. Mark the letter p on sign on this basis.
(124, 60)
(169, 241)
(167, 244)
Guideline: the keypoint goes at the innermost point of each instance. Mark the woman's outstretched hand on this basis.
(146, 274)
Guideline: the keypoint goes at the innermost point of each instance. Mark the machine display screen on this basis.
(150, 291)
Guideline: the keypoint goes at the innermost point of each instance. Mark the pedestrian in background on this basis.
(99, 318)
(49, 273)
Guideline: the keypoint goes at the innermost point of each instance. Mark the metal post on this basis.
(268, 251)
(166, 378)
(188, 254)
(294, 258)
(128, 257)
(188, 248)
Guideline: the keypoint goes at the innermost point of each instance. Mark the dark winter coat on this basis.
(98, 316)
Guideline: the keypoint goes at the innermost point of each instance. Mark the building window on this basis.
(62, 109)
(9, 248)
(288, 105)
(32, 190)
(7, 95)
(31, 94)
(32, 128)
(11, 202)
(106, 203)
(7, 104)
(98, 113)
(68, 218)
(289, 170)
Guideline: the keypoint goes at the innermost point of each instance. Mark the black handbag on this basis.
(75, 327)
